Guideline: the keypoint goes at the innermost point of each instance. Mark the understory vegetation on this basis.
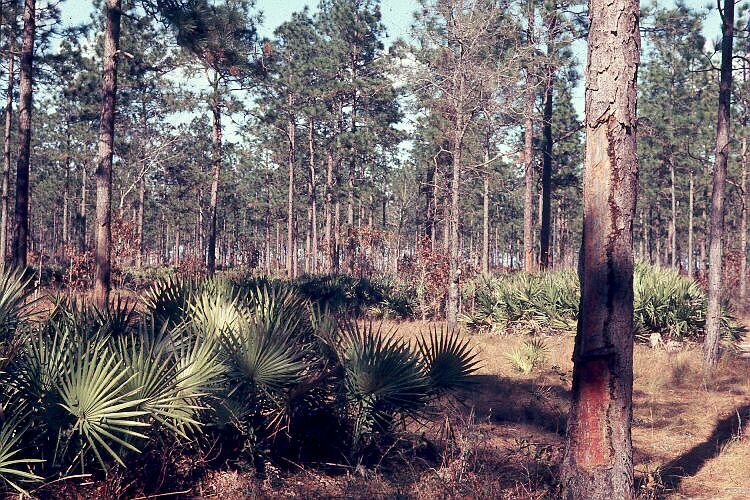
(252, 374)
(667, 306)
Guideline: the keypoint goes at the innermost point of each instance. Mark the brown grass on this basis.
(505, 439)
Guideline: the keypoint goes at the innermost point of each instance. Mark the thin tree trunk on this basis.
(716, 232)
(312, 204)
(103, 255)
(453, 241)
(549, 90)
(139, 221)
(290, 257)
(82, 211)
(673, 226)
(691, 264)
(528, 197)
(528, 156)
(6, 145)
(598, 461)
(21, 231)
(743, 223)
(486, 220)
(216, 143)
(328, 216)
(66, 188)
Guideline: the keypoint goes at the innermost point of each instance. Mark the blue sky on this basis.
(397, 18)
(397, 14)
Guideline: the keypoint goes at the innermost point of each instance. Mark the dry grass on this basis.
(506, 438)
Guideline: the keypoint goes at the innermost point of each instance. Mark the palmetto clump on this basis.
(250, 366)
(665, 302)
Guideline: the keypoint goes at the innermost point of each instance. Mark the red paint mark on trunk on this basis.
(592, 449)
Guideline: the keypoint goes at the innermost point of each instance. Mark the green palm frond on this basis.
(116, 318)
(383, 378)
(16, 305)
(531, 355)
(154, 378)
(263, 358)
(199, 365)
(13, 468)
(450, 362)
(94, 391)
(214, 314)
(280, 309)
(167, 300)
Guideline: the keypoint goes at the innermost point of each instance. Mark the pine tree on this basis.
(598, 460)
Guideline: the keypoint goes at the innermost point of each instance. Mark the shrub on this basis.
(665, 303)
(256, 368)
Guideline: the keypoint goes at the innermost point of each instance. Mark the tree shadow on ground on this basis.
(689, 463)
(536, 403)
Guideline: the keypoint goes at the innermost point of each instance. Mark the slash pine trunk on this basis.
(598, 461)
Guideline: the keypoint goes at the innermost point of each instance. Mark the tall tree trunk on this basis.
(291, 269)
(312, 209)
(103, 254)
(716, 233)
(6, 146)
(743, 223)
(66, 189)
(691, 264)
(82, 211)
(528, 155)
(528, 196)
(486, 219)
(336, 237)
(216, 144)
(544, 233)
(21, 230)
(139, 221)
(453, 241)
(598, 460)
(673, 224)
(328, 216)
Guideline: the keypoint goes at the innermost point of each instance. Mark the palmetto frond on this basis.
(167, 300)
(383, 377)
(16, 306)
(214, 314)
(263, 358)
(13, 468)
(95, 392)
(450, 362)
(154, 377)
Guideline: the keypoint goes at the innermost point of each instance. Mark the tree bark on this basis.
(716, 232)
(216, 144)
(103, 254)
(21, 230)
(673, 224)
(691, 264)
(82, 211)
(328, 216)
(486, 219)
(312, 208)
(291, 130)
(6, 145)
(528, 196)
(453, 241)
(544, 232)
(743, 223)
(598, 461)
(528, 155)
(139, 221)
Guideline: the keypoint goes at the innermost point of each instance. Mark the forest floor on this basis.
(507, 437)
